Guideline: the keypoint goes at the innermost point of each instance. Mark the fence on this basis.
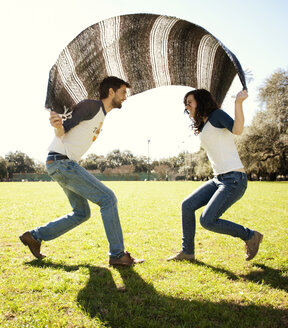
(102, 177)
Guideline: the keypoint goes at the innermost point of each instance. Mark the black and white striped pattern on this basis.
(146, 50)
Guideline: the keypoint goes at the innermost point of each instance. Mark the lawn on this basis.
(75, 287)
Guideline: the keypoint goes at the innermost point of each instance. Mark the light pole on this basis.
(148, 159)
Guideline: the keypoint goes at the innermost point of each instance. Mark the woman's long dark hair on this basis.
(206, 104)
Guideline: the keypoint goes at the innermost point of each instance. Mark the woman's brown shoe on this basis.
(252, 245)
(181, 256)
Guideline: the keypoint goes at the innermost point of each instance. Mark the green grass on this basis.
(75, 287)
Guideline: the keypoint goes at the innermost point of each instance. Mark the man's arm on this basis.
(239, 116)
(56, 122)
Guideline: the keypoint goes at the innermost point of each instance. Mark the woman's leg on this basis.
(231, 187)
(197, 199)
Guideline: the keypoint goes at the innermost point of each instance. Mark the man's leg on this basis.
(77, 180)
(56, 228)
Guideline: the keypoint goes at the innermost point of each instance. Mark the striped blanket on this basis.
(146, 50)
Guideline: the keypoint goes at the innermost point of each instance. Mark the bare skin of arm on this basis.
(239, 115)
(56, 122)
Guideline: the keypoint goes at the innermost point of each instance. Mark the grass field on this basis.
(75, 287)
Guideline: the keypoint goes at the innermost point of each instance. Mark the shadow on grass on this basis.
(138, 304)
(230, 275)
(269, 276)
(263, 274)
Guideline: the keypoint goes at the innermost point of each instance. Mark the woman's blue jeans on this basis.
(218, 194)
(80, 186)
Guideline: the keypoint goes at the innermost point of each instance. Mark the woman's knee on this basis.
(184, 205)
(207, 222)
(188, 204)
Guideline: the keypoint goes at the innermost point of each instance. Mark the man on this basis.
(73, 137)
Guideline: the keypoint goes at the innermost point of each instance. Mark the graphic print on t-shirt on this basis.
(97, 131)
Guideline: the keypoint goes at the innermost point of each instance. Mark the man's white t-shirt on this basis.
(81, 130)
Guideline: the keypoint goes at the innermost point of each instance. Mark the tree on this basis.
(187, 165)
(141, 164)
(40, 168)
(3, 169)
(19, 162)
(202, 167)
(93, 162)
(115, 158)
(263, 146)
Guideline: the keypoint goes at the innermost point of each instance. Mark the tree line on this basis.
(263, 147)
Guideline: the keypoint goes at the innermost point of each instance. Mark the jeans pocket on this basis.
(68, 166)
(56, 175)
(231, 181)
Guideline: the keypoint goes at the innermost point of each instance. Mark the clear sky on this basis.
(34, 32)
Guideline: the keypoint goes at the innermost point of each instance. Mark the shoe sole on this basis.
(179, 260)
(126, 264)
(121, 265)
(260, 241)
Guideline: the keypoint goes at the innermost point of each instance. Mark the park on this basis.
(185, 137)
(74, 286)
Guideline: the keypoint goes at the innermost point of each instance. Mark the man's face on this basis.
(119, 97)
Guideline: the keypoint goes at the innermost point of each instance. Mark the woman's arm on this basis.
(239, 116)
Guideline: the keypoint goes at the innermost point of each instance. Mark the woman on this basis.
(215, 129)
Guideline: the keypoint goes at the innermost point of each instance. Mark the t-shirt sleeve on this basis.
(221, 119)
(84, 110)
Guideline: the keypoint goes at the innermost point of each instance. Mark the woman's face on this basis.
(191, 105)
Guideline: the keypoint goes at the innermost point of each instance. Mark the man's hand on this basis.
(56, 122)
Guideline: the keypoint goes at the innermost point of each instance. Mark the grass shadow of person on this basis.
(270, 276)
(230, 275)
(138, 304)
(263, 274)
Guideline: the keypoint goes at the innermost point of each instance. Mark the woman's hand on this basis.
(241, 96)
(239, 116)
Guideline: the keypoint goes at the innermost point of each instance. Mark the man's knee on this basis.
(87, 213)
(83, 213)
(110, 199)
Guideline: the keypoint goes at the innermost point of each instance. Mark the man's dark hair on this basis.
(111, 82)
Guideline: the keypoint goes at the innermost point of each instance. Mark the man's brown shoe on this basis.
(181, 256)
(32, 243)
(125, 260)
(252, 245)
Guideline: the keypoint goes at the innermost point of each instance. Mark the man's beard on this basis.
(116, 104)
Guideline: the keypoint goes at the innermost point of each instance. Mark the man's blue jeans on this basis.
(80, 186)
(218, 194)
